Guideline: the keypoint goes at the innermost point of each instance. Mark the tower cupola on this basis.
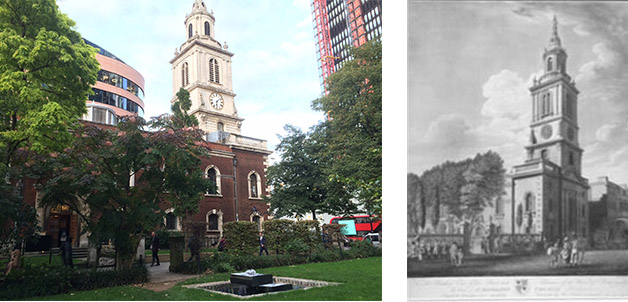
(200, 23)
(554, 57)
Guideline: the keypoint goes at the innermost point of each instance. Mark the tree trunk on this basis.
(124, 261)
(313, 214)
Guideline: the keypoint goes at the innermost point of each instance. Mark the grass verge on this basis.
(361, 279)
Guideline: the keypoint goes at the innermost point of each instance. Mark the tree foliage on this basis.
(299, 184)
(46, 72)
(354, 129)
(117, 180)
(463, 188)
(416, 203)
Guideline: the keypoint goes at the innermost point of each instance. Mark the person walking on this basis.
(67, 253)
(154, 247)
(262, 244)
(194, 246)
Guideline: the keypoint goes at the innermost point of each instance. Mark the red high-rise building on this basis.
(339, 24)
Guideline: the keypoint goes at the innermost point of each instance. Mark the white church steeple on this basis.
(202, 66)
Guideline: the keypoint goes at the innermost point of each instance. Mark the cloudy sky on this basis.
(274, 67)
(470, 66)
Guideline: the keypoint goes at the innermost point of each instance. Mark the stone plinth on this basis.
(251, 280)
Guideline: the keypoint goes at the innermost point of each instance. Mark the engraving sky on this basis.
(470, 66)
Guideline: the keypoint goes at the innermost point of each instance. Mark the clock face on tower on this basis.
(546, 131)
(216, 101)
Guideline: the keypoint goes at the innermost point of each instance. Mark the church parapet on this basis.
(233, 139)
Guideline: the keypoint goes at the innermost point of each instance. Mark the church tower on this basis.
(549, 194)
(202, 66)
(554, 111)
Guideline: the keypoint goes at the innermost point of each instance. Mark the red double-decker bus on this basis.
(359, 225)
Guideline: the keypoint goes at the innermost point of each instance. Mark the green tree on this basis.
(46, 72)
(297, 181)
(180, 110)
(117, 180)
(354, 128)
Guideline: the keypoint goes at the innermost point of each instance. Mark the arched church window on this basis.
(221, 126)
(549, 64)
(529, 202)
(544, 154)
(213, 175)
(171, 221)
(255, 185)
(546, 105)
(185, 75)
(253, 182)
(214, 75)
(190, 31)
(257, 221)
(213, 222)
(206, 28)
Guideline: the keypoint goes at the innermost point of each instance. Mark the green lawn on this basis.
(361, 280)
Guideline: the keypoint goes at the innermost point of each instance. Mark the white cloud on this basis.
(580, 31)
(506, 114)
(447, 132)
(606, 58)
(608, 154)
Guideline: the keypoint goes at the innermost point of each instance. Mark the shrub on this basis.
(363, 249)
(296, 246)
(278, 232)
(310, 233)
(241, 236)
(283, 235)
(42, 280)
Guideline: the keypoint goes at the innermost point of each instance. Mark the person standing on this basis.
(67, 253)
(262, 244)
(195, 247)
(154, 247)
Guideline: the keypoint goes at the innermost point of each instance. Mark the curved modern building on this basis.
(118, 92)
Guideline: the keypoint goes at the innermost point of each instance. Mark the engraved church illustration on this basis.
(546, 198)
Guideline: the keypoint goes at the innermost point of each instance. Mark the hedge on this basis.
(229, 262)
(44, 280)
(241, 236)
(293, 237)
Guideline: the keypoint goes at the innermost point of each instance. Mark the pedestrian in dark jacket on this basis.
(194, 247)
(262, 244)
(154, 247)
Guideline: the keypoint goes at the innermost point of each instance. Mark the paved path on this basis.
(160, 278)
(598, 262)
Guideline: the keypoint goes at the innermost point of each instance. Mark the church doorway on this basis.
(61, 220)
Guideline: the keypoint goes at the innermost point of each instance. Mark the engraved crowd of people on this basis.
(568, 251)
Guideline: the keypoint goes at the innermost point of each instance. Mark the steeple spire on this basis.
(199, 5)
(554, 40)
